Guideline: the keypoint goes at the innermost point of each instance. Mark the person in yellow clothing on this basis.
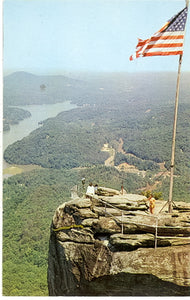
(151, 204)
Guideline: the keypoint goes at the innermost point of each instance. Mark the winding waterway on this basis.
(38, 113)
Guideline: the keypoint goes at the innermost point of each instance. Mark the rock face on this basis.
(108, 246)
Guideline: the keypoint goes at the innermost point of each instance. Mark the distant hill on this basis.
(13, 115)
(22, 88)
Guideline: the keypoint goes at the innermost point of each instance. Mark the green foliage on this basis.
(153, 140)
(26, 222)
(26, 225)
(137, 162)
(59, 145)
(143, 120)
(180, 187)
(24, 279)
(157, 195)
(148, 193)
(12, 115)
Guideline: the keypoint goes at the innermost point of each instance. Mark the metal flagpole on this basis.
(174, 132)
(174, 137)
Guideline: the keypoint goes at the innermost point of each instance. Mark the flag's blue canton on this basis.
(178, 22)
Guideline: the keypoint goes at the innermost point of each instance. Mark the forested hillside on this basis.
(75, 138)
(131, 113)
(29, 204)
(13, 115)
(142, 118)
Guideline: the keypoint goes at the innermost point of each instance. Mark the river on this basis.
(38, 113)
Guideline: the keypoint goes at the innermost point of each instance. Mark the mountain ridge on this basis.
(23, 88)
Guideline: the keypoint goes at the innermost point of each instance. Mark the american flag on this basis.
(167, 41)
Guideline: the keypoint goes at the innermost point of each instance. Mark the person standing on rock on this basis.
(95, 188)
(151, 204)
(90, 191)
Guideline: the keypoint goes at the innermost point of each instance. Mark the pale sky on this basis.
(57, 36)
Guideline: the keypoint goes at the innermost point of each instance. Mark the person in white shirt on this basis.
(90, 190)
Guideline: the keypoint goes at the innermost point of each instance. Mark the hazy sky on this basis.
(56, 36)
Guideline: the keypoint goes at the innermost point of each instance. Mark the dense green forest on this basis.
(13, 115)
(30, 200)
(134, 108)
(75, 138)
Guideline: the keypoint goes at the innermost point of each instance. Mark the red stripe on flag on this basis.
(169, 37)
(160, 53)
(170, 45)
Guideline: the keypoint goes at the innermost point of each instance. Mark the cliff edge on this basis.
(110, 245)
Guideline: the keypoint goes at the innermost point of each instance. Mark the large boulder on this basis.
(128, 242)
(106, 225)
(111, 251)
(170, 264)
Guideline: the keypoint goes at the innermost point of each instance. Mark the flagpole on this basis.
(144, 48)
(174, 132)
(174, 136)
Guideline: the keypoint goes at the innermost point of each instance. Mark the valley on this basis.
(116, 131)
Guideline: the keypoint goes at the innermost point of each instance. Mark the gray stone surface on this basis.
(96, 258)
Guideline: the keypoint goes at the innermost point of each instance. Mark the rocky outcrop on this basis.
(107, 246)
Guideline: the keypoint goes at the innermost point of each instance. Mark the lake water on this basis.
(38, 113)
